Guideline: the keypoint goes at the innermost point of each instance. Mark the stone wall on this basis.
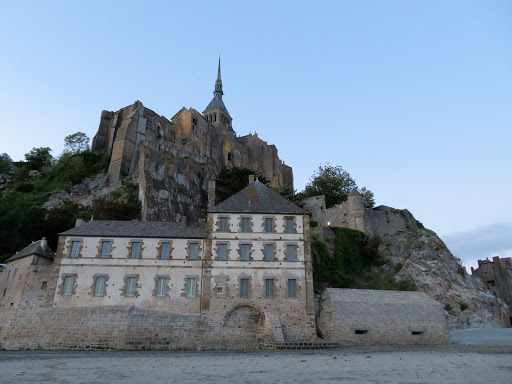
(350, 316)
(124, 327)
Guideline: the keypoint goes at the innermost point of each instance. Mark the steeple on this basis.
(216, 112)
(218, 83)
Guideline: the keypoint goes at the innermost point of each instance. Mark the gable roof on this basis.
(257, 198)
(153, 229)
(39, 248)
(216, 103)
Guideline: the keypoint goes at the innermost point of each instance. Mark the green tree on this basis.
(369, 199)
(38, 158)
(5, 163)
(76, 143)
(230, 181)
(332, 181)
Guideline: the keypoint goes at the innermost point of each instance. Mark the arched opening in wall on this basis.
(229, 156)
(242, 327)
(160, 132)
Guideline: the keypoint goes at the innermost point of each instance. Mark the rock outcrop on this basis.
(419, 255)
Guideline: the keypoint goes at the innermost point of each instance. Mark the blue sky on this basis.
(413, 98)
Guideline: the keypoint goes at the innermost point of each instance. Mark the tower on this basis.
(216, 112)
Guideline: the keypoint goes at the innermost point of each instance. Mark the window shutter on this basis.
(75, 249)
(269, 252)
(135, 250)
(290, 252)
(105, 249)
(223, 252)
(245, 252)
(164, 252)
(292, 288)
(269, 288)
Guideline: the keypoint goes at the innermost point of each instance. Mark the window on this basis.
(223, 224)
(219, 289)
(67, 288)
(269, 252)
(135, 250)
(192, 252)
(223, 252)
(131, 282)
(246, 225)
(44, 285)
(161, 287)
(245, 252)
(164, 251)
(191, 287)
(244, 288)
(5, 290)
(105, 249)
(290, 252)
(269, 288)
(292, 288)
(289, 225)
(75, 249)
(14, 274)
(99, 286)
(269, 225)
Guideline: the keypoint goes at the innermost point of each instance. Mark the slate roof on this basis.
(39, 248)
(257, 198)
(157, 229)
(216, 103)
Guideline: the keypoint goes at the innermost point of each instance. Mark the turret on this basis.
(355, 204)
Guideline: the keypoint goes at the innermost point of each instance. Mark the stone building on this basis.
(497, 276)
(241, 280)
(172, 159)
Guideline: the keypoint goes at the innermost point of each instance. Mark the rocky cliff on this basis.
(419, 255)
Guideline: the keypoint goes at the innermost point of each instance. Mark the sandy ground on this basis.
(375, 364)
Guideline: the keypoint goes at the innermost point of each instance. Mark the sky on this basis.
(412, 98)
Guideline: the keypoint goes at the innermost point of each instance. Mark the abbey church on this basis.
(172, 160)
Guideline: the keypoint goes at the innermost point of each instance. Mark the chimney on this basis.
(78, 222)
(211, 194)
(43, 242)
(251, 179)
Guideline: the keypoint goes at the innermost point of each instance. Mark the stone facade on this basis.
(497, 277)
(351, 316)
(151, 285)
(172, 159)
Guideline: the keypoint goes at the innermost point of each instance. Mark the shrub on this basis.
(313, 223)
(398, 267)
(447, 307)
(463, 305)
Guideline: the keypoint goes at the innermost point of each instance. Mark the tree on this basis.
(369, 199)
(332, 181)
(76, 143)
(5, 163)
(38, 158)
(230, 181)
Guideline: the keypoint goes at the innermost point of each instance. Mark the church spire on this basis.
(218, 83)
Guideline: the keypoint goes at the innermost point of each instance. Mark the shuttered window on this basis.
(161, 286)
(191, 287)
(269, 225)
(245, 252)
(269, 288)
(289, 225)
(290, 252)
(223, 252)
(131, 282)
(292, 288)
(99, 286)
(193, 251)
(135, 250)
(246, 225)
(164, 251)
(75, 249)
(223, 225)
(67, 288)
(269, 252)
(244, 288)
(105, 249)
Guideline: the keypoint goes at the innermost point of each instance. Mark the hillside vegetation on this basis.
(350, 259)
(27, 185)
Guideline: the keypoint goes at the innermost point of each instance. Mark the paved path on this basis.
(482, 336)
(376, 364)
